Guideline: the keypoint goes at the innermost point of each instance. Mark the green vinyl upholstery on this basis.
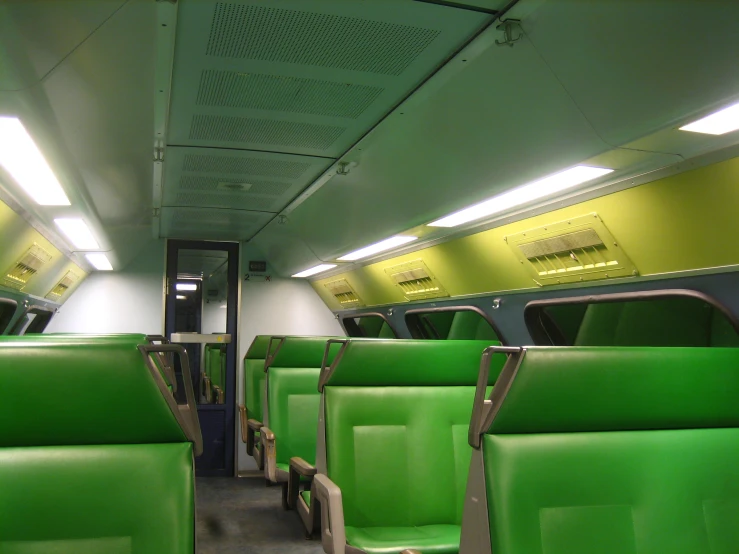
(396, 415)
(215, 368)
(254, 376)
(104, 468)
(616, 451)
(293, 369)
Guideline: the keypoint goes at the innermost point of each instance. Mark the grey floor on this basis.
(242, 516)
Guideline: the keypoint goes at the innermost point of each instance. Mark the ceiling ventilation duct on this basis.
(344, 294)
(416, 281)
(22, 271)
(578, 249)
(63, 286)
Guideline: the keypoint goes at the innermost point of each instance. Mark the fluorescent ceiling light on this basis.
(20, 156)
(314, 270)
(186, 286)
(382, 246)
(99, 261)
(524, 194)
(719, 123)
(78, 233)
(181, 297)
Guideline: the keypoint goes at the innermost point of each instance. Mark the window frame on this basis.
(534, 312)
(344, 319)
(6, 321)
(39, 311)
(417, 331)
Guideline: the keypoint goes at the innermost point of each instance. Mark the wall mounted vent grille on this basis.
(309, 38)
(416, 281)
(245, 166)
(248, 130)
(63, 286)
(22, 271)
(344, 293)
(579, 249)
(231, 89)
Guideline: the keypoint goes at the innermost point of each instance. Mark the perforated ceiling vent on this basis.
(264, 131)
(231, 89)
(416, 281)
(298, 37)
(63, 286)
(579, 249)
(344, 293)
(22, 271)
(245, 165)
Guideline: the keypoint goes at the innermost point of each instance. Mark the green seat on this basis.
(394, 443)
(608, 450)
(101, 468)
(215, 371)
(251, 408)
(291, 407)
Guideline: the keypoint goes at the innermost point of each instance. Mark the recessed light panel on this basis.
(382, 246)
(718, 123)
(315, 270)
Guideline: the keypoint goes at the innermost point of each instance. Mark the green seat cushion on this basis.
(306, 496)
(429, 539)
(119, 499)
(254, 387)
(669, 491)
(293, 412)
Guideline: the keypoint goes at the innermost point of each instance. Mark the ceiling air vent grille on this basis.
(344, 293)
(245, 165)
(579, 249)
(22, 271)
(63, 286)
(416, 281)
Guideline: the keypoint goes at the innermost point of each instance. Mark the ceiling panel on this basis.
(211, 223)
(254, 181)
(302, 78)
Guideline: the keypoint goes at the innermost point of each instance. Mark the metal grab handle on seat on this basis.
(187, 414)
(166, 360)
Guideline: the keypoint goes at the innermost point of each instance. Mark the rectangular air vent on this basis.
(28, 265)
(416, 281)
(63, 286)
(578, 249)
(344, 293)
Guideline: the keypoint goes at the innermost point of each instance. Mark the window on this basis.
(7, 311)
(655, 318)
(455, 323)
(369, 326)
(33, 321)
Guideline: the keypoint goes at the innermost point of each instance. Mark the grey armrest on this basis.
(333, 534)
(269, 452)
(243, 418)
(250, 430)
(298, 468)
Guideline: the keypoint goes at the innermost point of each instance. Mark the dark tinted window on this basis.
(7, 310)
(462, 324)
(651, 321)
(34, 320)
(369, 326)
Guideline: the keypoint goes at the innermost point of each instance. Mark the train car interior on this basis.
(369, 276)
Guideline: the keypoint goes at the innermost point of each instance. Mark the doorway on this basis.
(201, 315)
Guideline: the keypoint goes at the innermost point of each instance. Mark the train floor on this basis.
(242, 516)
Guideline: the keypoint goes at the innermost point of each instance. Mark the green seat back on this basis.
(100, 468)
(254, 376)
(215, 365)
(616, 451)
(292, 395)
(470, 325)
(397, 415)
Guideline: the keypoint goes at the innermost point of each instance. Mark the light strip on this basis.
(718, 123)
(376, 248)
(524, 194)
(315, 270)
(78, 232)
(186, 286)
(181, 297)
(20, 156)
(99, 261)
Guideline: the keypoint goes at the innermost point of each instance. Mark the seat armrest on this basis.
(254, 424)
(243, 418)
(298, 468)
(249, 431)
(333, 533)
(269, 451)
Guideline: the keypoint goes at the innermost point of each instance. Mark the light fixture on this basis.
(186, 286)
(224, 306)
(181, 297)
(718, 123)
(20, 156)
(315, 270)
(78, 232)
(378, 247)
(524, 194)
(99, 261)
